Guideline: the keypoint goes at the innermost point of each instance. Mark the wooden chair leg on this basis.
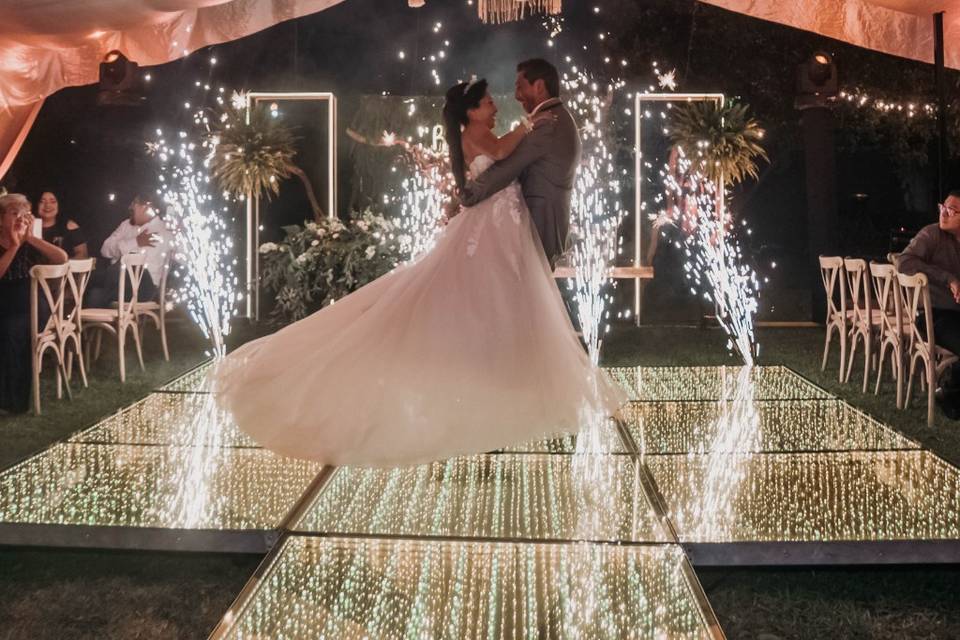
(883, 352)
(121, 336)
(163, 338)
(83, 368)
(136, 340)
(62, 373)
(867, 356)
(853, 355)
(842, 337)
(897, 364)
(36, 384)
(826, 347)
(909, 393)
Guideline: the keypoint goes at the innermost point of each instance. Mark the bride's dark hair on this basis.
(460, 98)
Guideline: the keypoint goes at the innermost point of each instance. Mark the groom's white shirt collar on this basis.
(547, 102)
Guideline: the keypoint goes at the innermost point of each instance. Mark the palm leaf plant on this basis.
(722, 140)
(251, 156)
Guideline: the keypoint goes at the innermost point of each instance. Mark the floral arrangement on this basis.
(323, 261)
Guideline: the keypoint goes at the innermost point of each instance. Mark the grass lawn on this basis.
(97, 594)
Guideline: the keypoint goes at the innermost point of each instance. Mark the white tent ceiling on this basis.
(46, 45)
(899, 27)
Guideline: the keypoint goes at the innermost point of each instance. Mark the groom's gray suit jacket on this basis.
(546, 162)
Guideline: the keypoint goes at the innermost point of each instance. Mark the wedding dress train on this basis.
(467, 349)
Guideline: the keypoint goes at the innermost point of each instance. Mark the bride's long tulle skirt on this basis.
(467, 350)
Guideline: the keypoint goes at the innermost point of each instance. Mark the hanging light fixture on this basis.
(497, 11)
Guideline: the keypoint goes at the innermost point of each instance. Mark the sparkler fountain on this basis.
(208, 288)
(716, 269)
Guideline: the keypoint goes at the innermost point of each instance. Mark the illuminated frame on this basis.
(253, 205)
(638, 172)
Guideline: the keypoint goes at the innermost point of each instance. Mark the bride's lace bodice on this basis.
(480, 164)
(506, 204)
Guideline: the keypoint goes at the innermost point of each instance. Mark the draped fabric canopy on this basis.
(899, 27)
(46, 45)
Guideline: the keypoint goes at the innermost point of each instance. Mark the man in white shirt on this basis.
(144, 231)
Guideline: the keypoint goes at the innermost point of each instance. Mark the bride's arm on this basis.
(484, 142)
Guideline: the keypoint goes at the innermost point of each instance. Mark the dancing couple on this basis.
(467, 349)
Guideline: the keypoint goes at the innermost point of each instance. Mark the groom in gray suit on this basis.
(546, 160)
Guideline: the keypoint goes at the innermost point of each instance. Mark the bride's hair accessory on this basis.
(469, 85)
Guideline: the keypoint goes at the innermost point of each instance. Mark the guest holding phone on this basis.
(20, 249)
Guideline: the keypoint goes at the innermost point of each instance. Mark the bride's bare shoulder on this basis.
(475, 141)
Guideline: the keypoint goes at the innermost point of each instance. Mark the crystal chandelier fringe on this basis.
(497, 11)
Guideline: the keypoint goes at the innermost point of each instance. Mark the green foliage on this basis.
(906, 140)
(323, 261)
(725, 139)
(250, 159)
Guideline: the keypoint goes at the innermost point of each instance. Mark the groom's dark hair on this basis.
(539, 69)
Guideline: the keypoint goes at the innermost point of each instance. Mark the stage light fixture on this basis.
(817, 82)
(120, 81)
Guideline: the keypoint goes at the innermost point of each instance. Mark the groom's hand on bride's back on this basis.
(541, 119)
(533, 147)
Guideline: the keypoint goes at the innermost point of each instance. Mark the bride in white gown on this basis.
(466, 350)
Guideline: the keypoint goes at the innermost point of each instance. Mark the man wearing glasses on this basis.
(935, 251)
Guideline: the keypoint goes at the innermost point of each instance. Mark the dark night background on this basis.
(886, 174)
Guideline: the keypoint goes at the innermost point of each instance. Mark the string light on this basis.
(859, 98)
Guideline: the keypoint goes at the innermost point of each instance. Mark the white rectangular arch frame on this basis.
(638, 112)
(253, 207)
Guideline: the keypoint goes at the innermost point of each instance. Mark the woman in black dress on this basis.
(19, 250)
(60, 230)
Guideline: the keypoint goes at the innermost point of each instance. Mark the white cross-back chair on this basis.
(886, 292)
(865, 318)
(77, 279)
(156, 310)
(837, 320)
(922, 348)
(117, 321)
(50, 281)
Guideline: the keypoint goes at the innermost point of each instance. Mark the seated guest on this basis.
(935, 251)
(143, 231)
(19, 250)
(59, 230)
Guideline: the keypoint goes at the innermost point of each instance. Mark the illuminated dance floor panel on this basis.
(781, 426)
(192, 381)
(168, 419)
(861, 497)
(370, 588)
(607, 440)
(151, 487)
(546, 497)
(714, 383)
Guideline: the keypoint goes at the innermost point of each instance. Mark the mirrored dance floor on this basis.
(720, 465)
